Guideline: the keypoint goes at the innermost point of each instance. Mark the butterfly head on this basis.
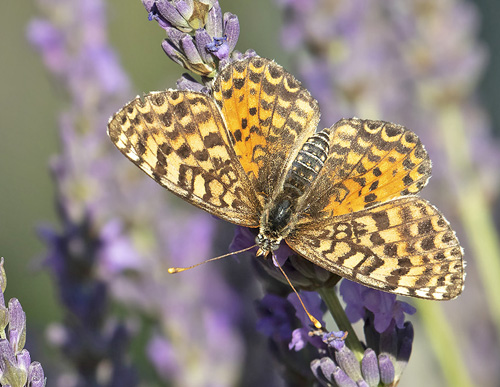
(266, 244)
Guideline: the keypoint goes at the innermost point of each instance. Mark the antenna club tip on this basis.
(173, 270)
(318, 325)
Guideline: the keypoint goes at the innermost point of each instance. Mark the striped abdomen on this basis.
(307, 164)
(302, 173)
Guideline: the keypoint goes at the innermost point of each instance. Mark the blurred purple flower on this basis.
(275, 314)
(50, 43)
(163, 356)
(384, 306)
(118, 234)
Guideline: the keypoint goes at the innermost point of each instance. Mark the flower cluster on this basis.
(382, 367)
(380, 361)
(90, 72)
(388, 341)
(16, 367)
(199, 36)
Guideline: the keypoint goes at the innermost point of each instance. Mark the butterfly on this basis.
(343, 197)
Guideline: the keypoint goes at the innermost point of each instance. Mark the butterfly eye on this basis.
(259, 239)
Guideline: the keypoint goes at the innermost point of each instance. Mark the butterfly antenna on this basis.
(173, 270)
(313, 319)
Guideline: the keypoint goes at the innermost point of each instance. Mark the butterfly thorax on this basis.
(276, 223)
(280, 215)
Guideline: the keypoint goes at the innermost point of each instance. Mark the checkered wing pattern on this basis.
(269, 116)
(369, 162)
(404, 246)
(179, 139)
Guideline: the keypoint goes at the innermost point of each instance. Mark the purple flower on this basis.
(16, 367)
(184, 15)
(50, 43)
(277, 319)
(335, 339)
(275, 314)
(219, 47)
(163, 356)
(200, 38)
(301, 336)
(384, 306)
(383, 365)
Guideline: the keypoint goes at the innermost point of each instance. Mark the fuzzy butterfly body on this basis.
(343, 197)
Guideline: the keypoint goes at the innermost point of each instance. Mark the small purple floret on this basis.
(384, 306)
(335, 340)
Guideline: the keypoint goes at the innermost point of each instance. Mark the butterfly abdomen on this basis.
(307, 164)
(304, 169)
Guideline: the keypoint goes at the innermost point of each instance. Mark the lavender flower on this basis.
(199, 37)
(332, 362)
(118, 234)
(388, 338)
(93, 78)
(16, 367)
(384, 306)
(186, 16)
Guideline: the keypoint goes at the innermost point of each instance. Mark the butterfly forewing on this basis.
(269, 115)
(369, 162)
(179, 139)
(404, 246)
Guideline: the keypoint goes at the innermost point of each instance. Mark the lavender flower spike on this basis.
(343, 369)
(184, 15)
(384, 306)
(200, 37)
(16, 368)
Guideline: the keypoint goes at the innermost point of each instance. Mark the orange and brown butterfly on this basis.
(343, 198)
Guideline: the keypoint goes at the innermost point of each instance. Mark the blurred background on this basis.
(31, 101)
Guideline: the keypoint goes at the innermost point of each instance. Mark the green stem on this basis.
(444, 343)
(331, 300)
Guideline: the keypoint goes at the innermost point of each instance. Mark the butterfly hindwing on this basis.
(404, 246)
(269, 115)
(180, 140)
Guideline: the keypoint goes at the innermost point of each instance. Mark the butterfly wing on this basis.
(269, 116)
(369, 162)
(180, 140)
(404, 246)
